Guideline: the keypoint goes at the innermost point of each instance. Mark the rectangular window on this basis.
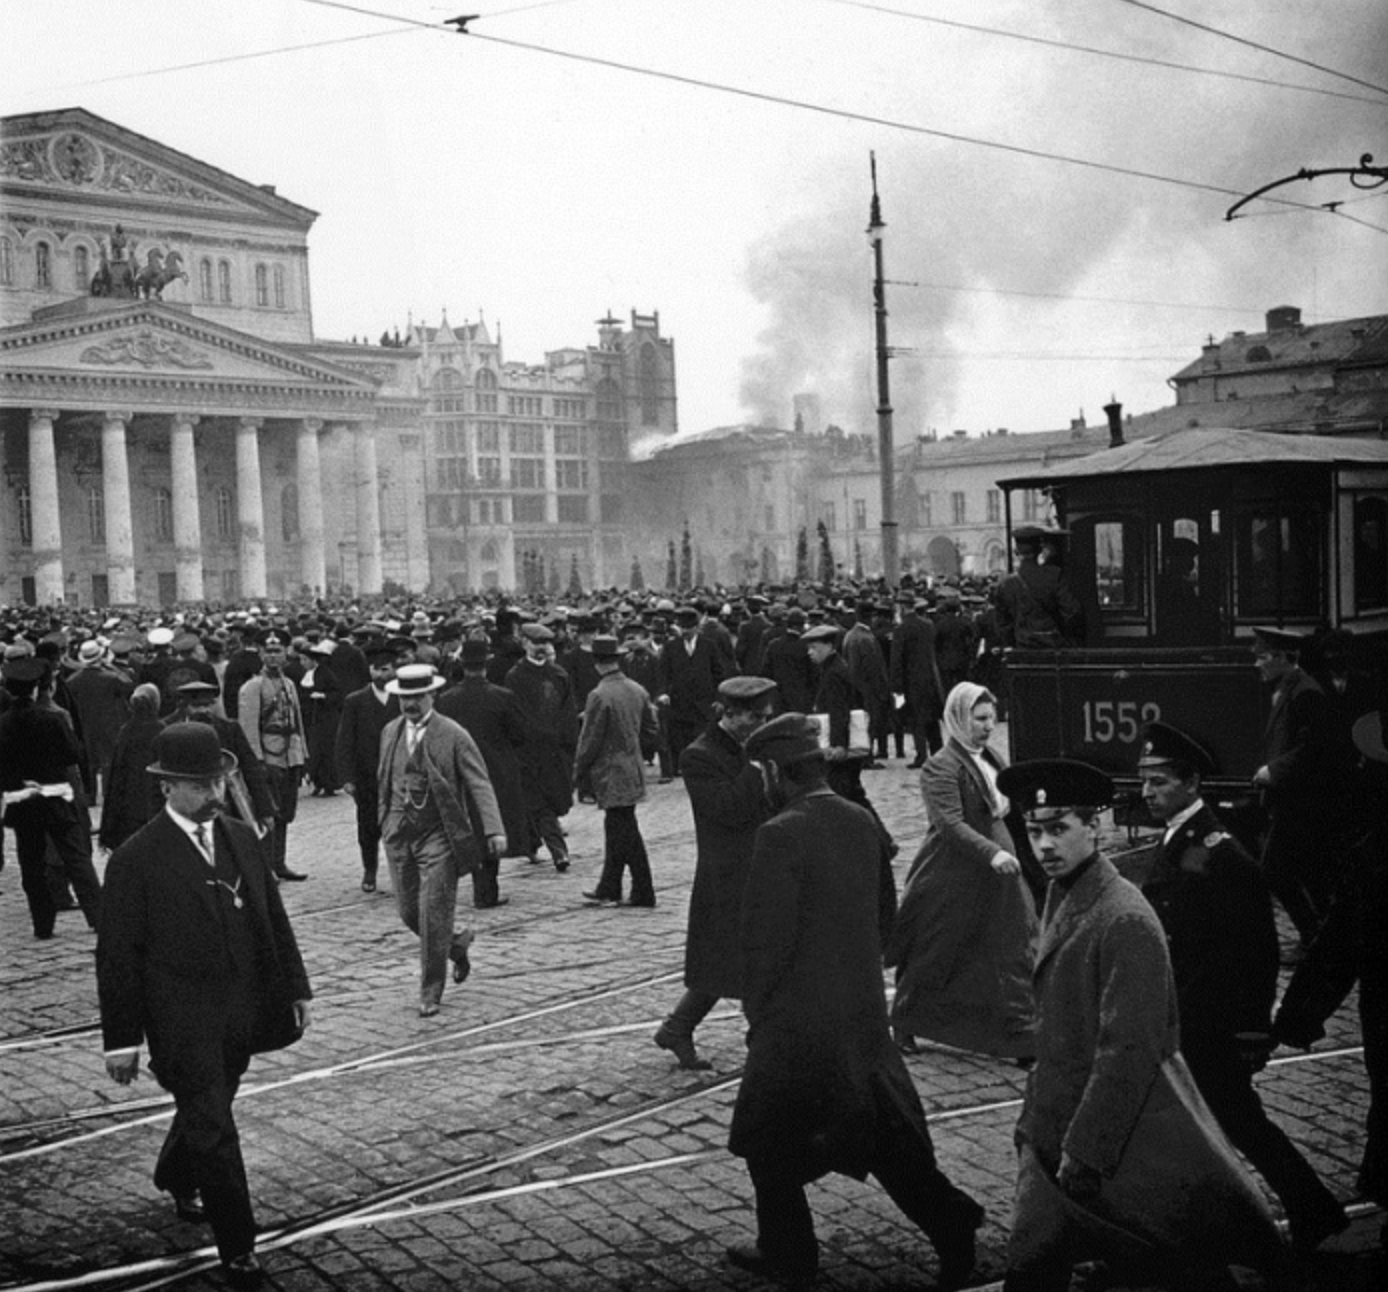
(860, 513)
(573, 509)
(1277, 564)
(570, 442)
(528, 509)
(924, 510)
(1118, 566)
(1370, 554)
(571, 473)
(957, 508)
(485, 403)
(994, 506)
(527, 473)
(489, 471)
(488, 437)
(527, 439)
(1031, 504)
(830, 518)
(279, 287)
(770, 518)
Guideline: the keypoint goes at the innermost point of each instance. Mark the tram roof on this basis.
(1203, 448)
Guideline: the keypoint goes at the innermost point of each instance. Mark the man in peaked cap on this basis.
(1117, 1153)
(1298, 754)
(825, 1088)
(727, 797)
(1036, 605)
(1216, 910)
(197, 959)
(43, 798)
(435, 800)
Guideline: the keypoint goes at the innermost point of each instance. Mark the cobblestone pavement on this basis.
(528, 1136)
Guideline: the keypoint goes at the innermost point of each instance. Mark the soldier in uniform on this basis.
(268, 709)
(1216, 910)
(1035, 604)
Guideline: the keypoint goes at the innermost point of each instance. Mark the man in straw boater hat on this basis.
(196, 958)
(825, 1089)
(1215, 907)
(1120, 1160)
(431, 780)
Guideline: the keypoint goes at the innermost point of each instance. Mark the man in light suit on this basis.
(195, 956)
(432, 779)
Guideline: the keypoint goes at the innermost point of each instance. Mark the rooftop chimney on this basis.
(1114, 410)
(1285, 318)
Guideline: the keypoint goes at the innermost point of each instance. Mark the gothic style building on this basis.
(171, 429)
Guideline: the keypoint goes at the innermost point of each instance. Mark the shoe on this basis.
(956, 1248)
(1309, 1232)
(594, 899)
(682, 1047)
(292, 876)
(495, 902)
(561, 864)
(462, 964)
(428, 1008)
(244, 1271)
(907, 1045)
(368, 885)
(915, 764)
(188, 1207)
(43, 935)
(749, 1257)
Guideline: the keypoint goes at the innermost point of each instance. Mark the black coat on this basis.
(914, 672)
(492, 716)
(691, 680)
(161, 970)
(364, 717)
(132, 794)
(788, 664)
(546, 698)
(727, 798)
(835, 695)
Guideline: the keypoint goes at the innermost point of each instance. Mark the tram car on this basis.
(1177, 546)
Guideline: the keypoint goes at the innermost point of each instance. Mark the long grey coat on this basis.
(617, 719)
(1110, 1089)
(965, 936)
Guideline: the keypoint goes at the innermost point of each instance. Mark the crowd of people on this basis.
(1141, 1006)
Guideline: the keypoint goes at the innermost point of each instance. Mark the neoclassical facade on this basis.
(169, 430)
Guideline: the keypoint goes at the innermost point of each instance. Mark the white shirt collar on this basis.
(1181, 818)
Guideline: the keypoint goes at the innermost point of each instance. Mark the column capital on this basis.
(184, 419)
(310, 425)
(250, 423)
(43, 414)
(125, 417)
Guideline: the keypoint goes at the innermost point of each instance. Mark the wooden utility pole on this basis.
(891, 556)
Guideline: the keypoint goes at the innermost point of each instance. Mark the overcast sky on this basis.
(469, 174)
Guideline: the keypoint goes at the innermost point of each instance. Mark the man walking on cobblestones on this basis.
(365, 714)
(268, 708)
(431, 779)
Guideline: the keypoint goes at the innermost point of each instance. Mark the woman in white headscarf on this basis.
(964, 936)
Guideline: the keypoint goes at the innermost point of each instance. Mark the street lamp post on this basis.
(891, 562)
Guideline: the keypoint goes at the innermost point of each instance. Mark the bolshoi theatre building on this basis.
(172, 431)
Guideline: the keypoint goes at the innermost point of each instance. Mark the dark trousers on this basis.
(904, 1166)
(625, 850)
(368, 831)
(1296, 866)
(35, 823)
(665, 759)
(1227, 1085)
(681, 732)
(485, 888)
(284, 789)
(544, 828)
(691, 1010)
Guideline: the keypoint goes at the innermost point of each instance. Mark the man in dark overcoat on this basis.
(825, 1088)
(691, 667)
(196, 958)
(750, 648)
(545, 694)
(365, 714)
(915, 674)
(1037, 608)
(727, 797)
(1216, 910)
(867, 670)
(1293, 780)
(100, 694)
(788, 663)
(492, 716)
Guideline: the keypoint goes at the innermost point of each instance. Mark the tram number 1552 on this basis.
(1108, 720)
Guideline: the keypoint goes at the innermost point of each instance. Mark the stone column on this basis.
(187, 515)
(250, 508)
(312, 555)
(43, 508)
(115, 488)
(368, 510)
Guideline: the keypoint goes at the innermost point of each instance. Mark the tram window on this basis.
(1370, 554)
(1117, 566)
(1278, 557)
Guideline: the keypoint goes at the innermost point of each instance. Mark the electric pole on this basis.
(891, 559)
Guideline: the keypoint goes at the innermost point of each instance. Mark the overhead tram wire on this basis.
(1069, 296)
(1252, 44)
(1142, 59)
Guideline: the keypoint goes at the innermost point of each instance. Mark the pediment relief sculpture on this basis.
(149, 349)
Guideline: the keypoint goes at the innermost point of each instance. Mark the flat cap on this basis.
(536, 633)
(1162, 743)
(821, 633)
(1280, 639)
(791, 738)
(1028, 534)
(26, 669)
(687, 615)
(1045, 788)
(743, 690)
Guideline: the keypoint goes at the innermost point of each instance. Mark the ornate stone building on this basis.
(170, 430)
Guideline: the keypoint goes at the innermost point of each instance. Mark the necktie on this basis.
(204, 841)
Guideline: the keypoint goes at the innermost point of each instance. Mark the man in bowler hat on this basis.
(196, 958)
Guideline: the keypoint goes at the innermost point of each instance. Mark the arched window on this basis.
(81, 269)
(490, 552)
(649, 381)
(226, 514)
(262, 286)
(43, 265)
(26, 515)
(224, 281)
(6, 262)
(96, 514)
(163, 516)
(279, 287)
(205, 280)
(486, 390)
(289, 512)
